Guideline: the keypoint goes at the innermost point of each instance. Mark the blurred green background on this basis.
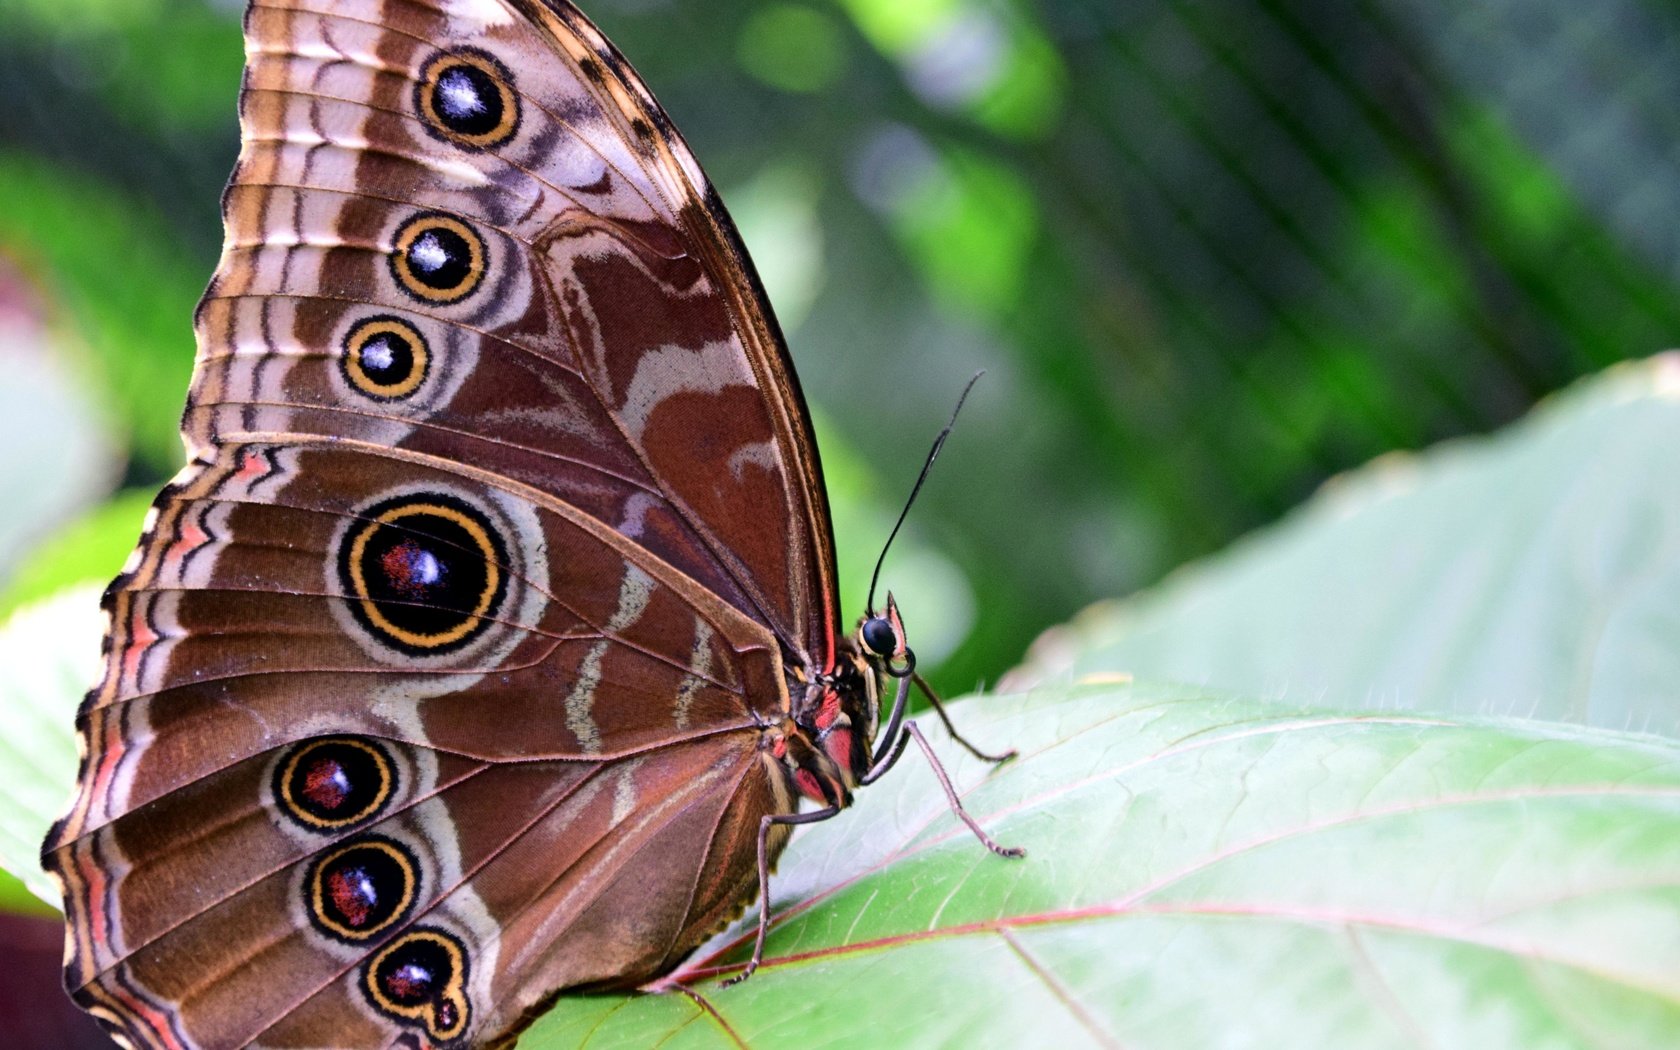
(1209, 252)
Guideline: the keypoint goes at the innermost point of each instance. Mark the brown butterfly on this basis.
(489, 642)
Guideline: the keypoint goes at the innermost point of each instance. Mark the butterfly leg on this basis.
(911, 729)
(939, 709)
(764, 826)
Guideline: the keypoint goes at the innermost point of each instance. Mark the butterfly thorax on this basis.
(826, 744)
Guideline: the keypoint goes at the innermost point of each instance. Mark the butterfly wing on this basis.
(613, 346)
(577, 770)
(437, 681)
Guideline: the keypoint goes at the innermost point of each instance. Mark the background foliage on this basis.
(1211, 253)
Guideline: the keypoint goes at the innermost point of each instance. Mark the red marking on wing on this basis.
(402, 565)
(829, 710)
(253, 467)
(155, 1019)
(838, 746)
(141, 637)
(349, 898)
(111, 754)
(190, 536)
(94, 879)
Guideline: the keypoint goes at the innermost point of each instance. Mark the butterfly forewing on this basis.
(611, 347)
(440, 678)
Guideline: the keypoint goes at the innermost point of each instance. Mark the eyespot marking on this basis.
(420, 979)
(438, 259)
(466, 97)
(424, 573)
(334, 782)
(361, 889)
(385, 358)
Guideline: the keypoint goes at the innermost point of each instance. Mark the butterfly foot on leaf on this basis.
(1012, 852)
(751, 968)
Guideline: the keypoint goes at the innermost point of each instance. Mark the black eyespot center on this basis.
(424, 573)
(467, 100)
(361, 889)
(420, 978)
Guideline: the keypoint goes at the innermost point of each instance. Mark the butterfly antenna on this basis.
(933, 453)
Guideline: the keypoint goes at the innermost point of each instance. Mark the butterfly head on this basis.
(880, 638)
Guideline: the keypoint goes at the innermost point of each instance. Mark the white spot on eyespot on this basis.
(425, 569)
(460, 99)
(377, 356)
(428, 253)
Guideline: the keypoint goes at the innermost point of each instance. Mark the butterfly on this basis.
(488, 644)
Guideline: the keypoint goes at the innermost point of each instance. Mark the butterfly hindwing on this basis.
(286, 943)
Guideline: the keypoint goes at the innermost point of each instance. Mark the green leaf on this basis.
(1205, 871)
(1202, 871)
(162, 65)
(50, 651)
(1533, 573)
(970, 224)
(18, 899)
(792, 47)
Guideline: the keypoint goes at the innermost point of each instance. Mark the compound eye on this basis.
(879, 636)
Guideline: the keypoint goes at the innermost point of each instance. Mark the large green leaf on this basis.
(1212, 872)
(1203, 871)
(1534, 573)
